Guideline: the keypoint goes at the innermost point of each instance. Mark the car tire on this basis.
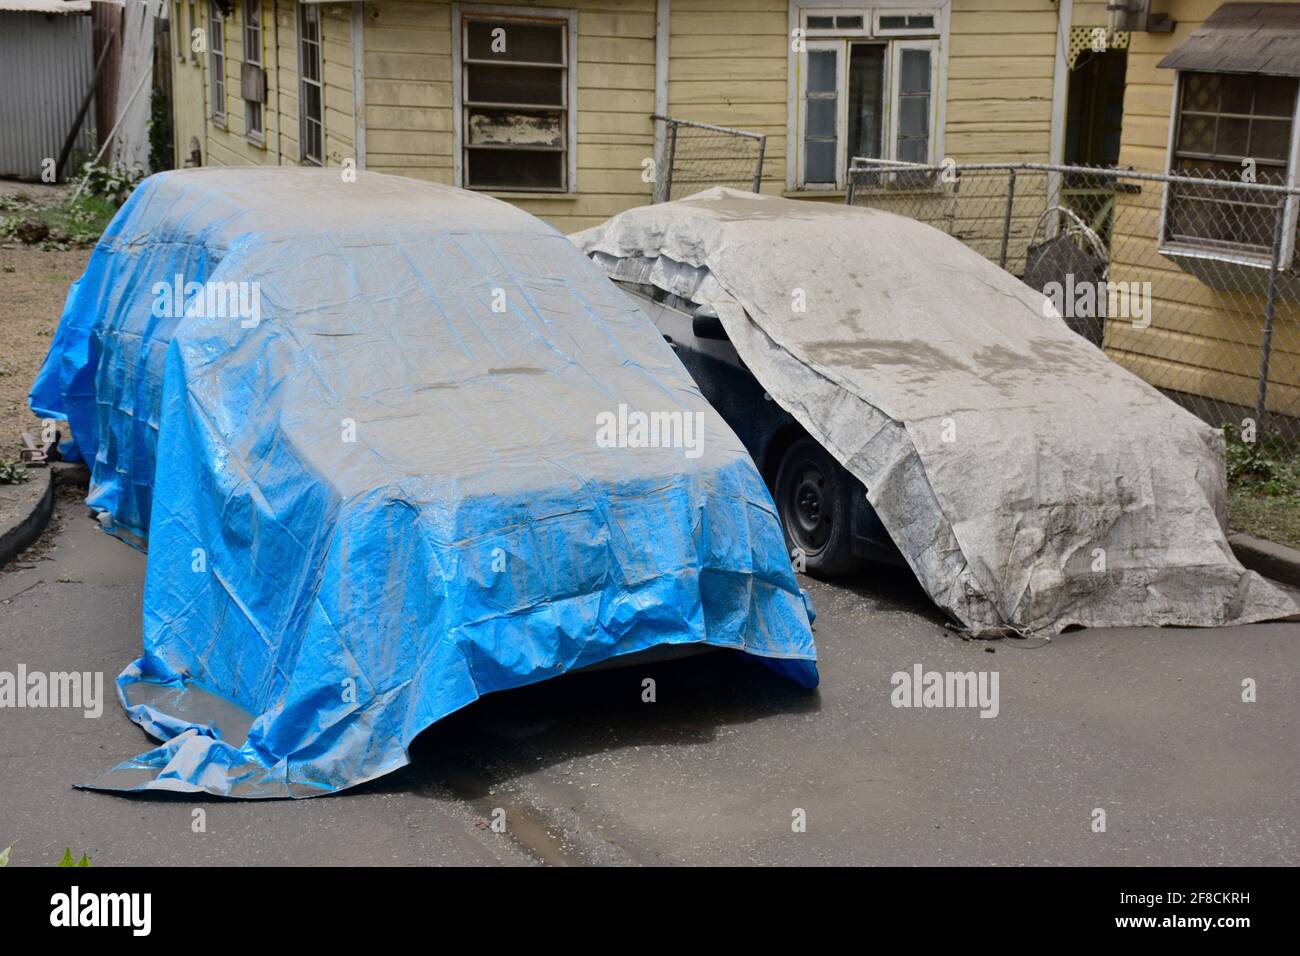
(813, 496)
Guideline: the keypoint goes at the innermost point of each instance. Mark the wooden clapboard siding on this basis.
(189, 85)
(228, 145)
(728, 66)
(409, 107)
(1202, 340)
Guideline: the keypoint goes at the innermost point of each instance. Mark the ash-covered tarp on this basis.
(378, 488)
(1030, 482)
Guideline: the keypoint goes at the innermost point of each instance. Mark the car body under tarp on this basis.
(384, 494)
(1030, 482)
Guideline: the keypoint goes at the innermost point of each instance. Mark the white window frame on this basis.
(894, 41)
(216, 64)
(834, 33)
(303, 82)
(878, 31)
(840, 50)
(257, 136)
(1202, 250)
(459, 11)
(893, 86)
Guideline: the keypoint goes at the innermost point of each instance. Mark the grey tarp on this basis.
(1030, 482)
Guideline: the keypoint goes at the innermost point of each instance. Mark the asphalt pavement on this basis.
(728, 764)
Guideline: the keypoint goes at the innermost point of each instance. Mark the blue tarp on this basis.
(364, 453)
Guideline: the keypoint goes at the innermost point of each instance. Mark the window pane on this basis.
(1196, 134)
(821, 71)
(311, 102)
(515, 41)
(310, 23)
(1270, 139)
(866, 99)
(514, 169)
(1201, 91)
(914, 105)
(1275, 96)
(820, 163)
(821, 23)
(914, 72)
(913, 117)
(821, 119)
(1238, 93)
(1233, 137)
(524, 85)
(507, 128)
(913, 151)
(821, 112)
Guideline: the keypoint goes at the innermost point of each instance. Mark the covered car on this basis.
(1031, 483)
(382, 440)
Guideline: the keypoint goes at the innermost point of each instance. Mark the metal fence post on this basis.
(758, 170)
(672, 159)
(1261, 398)
(1006, 218)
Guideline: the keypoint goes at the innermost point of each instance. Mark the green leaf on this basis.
(67, 858)
(84, 861)
(4, 855)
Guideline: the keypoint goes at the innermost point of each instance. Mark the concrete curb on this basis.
(19, 532)
(1270, 559)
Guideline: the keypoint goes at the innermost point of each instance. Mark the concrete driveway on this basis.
(729, 764)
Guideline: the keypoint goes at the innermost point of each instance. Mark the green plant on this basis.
(67, 859)
(160, 132)
(112, 183)
(13, 472)
(1263, 465)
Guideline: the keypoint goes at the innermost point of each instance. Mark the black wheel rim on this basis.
(806, 508)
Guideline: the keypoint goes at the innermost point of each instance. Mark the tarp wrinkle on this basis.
(382, 497)
(1030, 482)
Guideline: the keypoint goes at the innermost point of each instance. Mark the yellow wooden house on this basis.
(550, 104)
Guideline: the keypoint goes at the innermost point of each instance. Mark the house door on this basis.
(1094, 120)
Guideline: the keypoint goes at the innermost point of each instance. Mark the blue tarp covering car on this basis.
(390, 446)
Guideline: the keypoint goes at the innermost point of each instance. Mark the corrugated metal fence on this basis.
(45, 67)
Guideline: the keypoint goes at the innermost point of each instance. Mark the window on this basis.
(1224, 124)
(863, 94)
(177, 15)
(515, 123)
(253, 81)
(216, 63)
(194, 25)
(311, 91)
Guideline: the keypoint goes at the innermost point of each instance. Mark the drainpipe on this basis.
(1060, 91)
(275, 65)
(663, 14)
(359, 83)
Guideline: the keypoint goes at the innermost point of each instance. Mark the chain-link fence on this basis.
(697, 156)
(1189, 280)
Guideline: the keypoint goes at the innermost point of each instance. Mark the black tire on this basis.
(813, 497)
